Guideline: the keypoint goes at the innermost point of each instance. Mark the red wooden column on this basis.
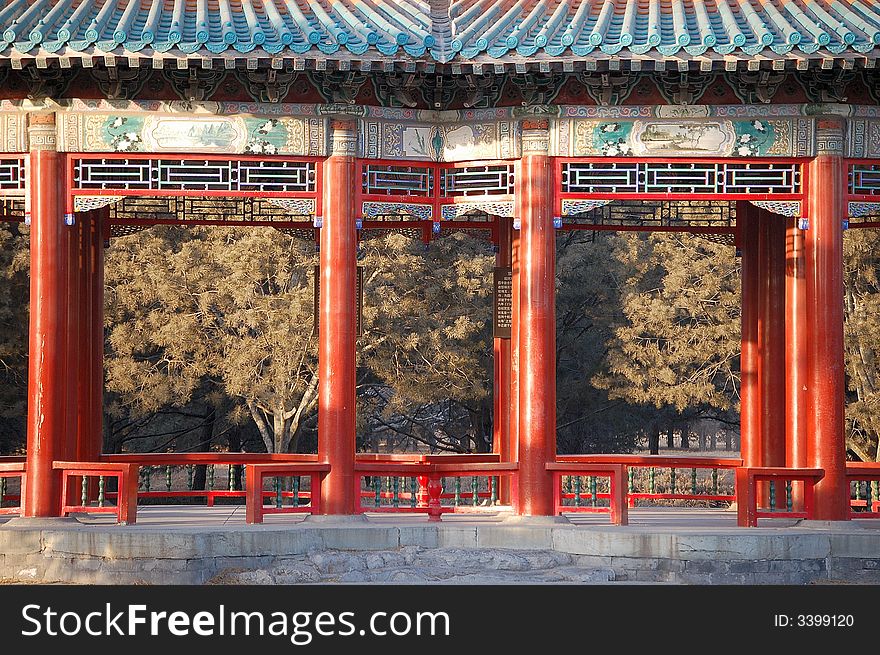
(824, 322)
(47, 338)
(796, 360)
(513, 410)
(337, 324)
(537, 324)
(771, 340)
(750, 395)
(501, 362)
(89, 429)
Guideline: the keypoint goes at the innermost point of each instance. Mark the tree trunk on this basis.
(234, 440)
(685, 437)
(670, 438)
(654, 440)
(200, 473)
(728, 440)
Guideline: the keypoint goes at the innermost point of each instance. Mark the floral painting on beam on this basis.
(753, 138)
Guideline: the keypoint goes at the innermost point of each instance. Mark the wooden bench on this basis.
(14, 469)
(126, 496)
(255, 473)
(615, 471)
(747, 479)
(429, 471)
(150, 461)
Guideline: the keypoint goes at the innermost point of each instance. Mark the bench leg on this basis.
(619, 513)
(746, 499)
(21, 494)
(434, 489)
(809, 489)
(253, 496)
(64, 492)
(422, 494)
(127, 497)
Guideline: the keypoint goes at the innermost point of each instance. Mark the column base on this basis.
(336, 518)
(829, 525)
(37, 522)
(537, 520)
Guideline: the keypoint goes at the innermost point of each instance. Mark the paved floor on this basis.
(232, 516)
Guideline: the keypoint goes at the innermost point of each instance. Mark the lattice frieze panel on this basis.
(396, 211)
(12, 175)
(860, 213)
(179, 208)
(12, 208)
(231, 175)
(392, 180)
(864, 179)
(476, 210)
(680, 177)
(494, 180)
(661, 213)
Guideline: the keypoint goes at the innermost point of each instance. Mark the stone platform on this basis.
(197, 545)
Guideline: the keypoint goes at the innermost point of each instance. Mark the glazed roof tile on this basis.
(442, 30)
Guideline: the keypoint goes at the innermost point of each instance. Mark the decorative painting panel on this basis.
(126, 132)
(680, 138)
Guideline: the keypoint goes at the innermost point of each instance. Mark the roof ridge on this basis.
(441, 29)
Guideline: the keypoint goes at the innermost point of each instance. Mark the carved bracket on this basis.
(538, 88)
(45, 82)
(267, 84)
(121, 82)
(827, 85)
(757, 86)
(480, 90)
(341, 87)
(195, 84)
(609, 88)
(684, 88)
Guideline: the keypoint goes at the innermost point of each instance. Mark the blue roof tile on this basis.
(446, 30)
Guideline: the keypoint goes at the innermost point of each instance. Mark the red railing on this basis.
(644, 483)
(747, 503)
(856, 474)
(12, 467)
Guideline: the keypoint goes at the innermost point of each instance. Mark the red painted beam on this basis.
(824, 311)
(337, 323)
(47, 339)
(537, 327)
